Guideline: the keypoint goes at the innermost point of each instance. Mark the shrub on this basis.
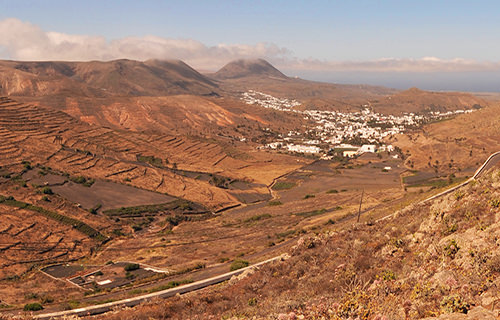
(238, 264)
(494, 264)
(27, 165)
(86, 182)
(307, 196)
(451, 248)
(332, 191)
(32, 307)
(495, 203)
(252, 302)
(451, 304)
(282, 185)
(132, 266)
(308, 214)
(95, 208)
(175, 220)
(47, 190)
(388, 275)
(274, 203)
(258, 217)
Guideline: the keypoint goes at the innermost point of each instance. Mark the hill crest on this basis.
(248, 68)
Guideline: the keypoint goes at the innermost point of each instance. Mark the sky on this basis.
(439, 45)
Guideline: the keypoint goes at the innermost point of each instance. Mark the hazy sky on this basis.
(315, 39)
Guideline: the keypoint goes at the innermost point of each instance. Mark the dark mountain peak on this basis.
(248, 68)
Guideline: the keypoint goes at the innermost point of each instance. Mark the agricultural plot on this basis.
(109, 195)
(324, 176)
(28, 238)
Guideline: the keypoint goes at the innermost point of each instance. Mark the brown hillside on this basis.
(432, 259)
(416, 100)
(29, 133)
(100, 79)
(462, 142)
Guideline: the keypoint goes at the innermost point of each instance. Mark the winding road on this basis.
(97, 309)
(492, 160)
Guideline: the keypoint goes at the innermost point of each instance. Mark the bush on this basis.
(494, 264)
(132, 266)
(274, 203)
(47, 190)
(32, 307)
(332, 191)
(495, 203)
(252, 302)
(281, 185)
(451, 304)
(258, 217)
(307, 196)
(388, 275)
(238, 264)
(451, 248)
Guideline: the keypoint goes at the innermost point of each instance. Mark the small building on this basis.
(349, 153)
(367, 148)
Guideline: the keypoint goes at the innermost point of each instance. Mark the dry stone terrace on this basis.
(51, 138)
(26, 237)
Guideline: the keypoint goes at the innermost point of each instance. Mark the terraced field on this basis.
(52, 138)
(28, 238)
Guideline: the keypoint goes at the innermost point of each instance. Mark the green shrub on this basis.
(308, 214)
(170, 285)
(459, 195)
(495, 203)
(332, 191)
(238, 264)
(451, 304)
(388, 275)
(258, 217)
(47, 190)
(152, 160)
(274, 203)
(132, 266)
(252, 302)
(282, 185)
(32, 307)
(307, 196)
(451, 248)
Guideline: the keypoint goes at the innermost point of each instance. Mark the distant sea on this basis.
(436, 81)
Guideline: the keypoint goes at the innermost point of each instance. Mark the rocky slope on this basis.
(102, 79)
(438, 260)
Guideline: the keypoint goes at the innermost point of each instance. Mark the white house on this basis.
(349, 153)
(367, 148)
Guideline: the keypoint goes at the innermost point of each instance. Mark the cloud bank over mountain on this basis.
(24, 41)
(21, 40)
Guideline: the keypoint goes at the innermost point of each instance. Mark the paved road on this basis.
(93, 310)
(492, 160)
(488, 164)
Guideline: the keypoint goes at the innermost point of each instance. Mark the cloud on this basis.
(21, 40)
(425, 64)
(24, 41)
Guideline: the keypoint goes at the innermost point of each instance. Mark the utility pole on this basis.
(360, 202)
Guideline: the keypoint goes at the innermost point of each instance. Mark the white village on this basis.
(334, 130)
